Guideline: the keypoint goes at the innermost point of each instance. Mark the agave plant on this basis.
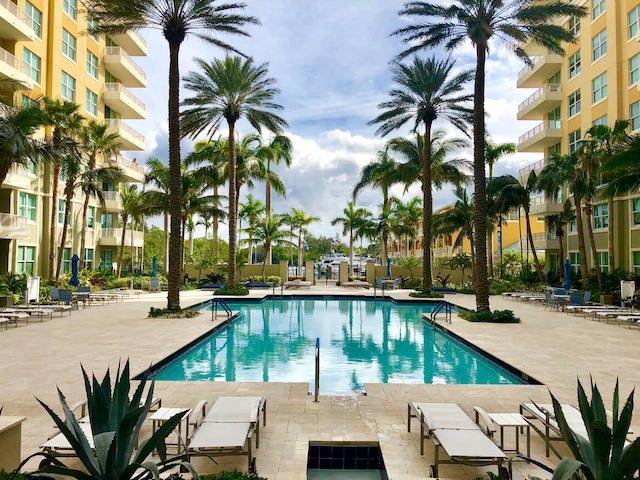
(116, 422)
(606, 454)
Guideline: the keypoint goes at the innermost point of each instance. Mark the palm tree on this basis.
(177, 19)
(278, 150)
(95, 142)
(300, 221)
(349, 221)
(157, 201)
(251, 210)
(66, 122)
(510, 193)
(71, 167)
(386, 225)
(556, 223)
(409, 214)
(129, 209)
(269, 231)
(514, 22)
(426, 90)
(492, 153)
(229, 90)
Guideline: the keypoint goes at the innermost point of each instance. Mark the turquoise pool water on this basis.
(361, 341)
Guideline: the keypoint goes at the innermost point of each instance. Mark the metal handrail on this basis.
(316, 389)
(447, 312)
(215, 302)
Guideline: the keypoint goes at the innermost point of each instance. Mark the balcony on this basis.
(130, 139)
(112, 200)
(112, 237)
(543, 136)
(15, 69)
(132, 42)
(541, 102)
(542, 241)
(131, 170)
(14, 23)
(117, 97)
(122, 66)
(543, 205)
(544, 66)
(523, 173)
(13, 227)
(19, 178)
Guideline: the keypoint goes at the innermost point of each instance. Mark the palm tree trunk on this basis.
(300, 256)
(214, 231)
(65, 224)
(267, 254)
(536, 262)
(588, 210)
(427, 202)
(53, 228)
(473, 262)
(490, 231)
(166, 243)
(267, 193)
(611, 235)
(560, 236)
(232, 207)
(582, 250)
(351, 251)
(175, 190)
(83, 234)
(191, 242)
(125, 220)
(480, 184)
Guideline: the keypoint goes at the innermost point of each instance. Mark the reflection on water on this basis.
(361, 341)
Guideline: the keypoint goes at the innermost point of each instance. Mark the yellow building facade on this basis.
(45, 46)
(596, 82)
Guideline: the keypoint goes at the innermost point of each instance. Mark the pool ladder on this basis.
(438, 309)
(218, 302)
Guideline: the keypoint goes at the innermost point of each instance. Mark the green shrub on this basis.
(235, 475)
(238, 290)
(214, 277)
(497, 316)
(163, 312)
(420, 294)
(415, 283)
(18, 476)
(466, 291)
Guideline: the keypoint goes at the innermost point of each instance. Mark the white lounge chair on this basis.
(451, 429)
(297, 284)
(546, 415)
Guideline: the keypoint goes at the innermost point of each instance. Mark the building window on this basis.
(92, 23)
(603, 260)
(634, 109)
(91, 103)
(574, 26)
(26, 260)
(61, 209)
(91, 217)
(598, 7)
(27, 206)
(574, 64)
(70, 7)
(635, 206)
(634, 16)
(68, 45)
(555, 149)
(600, 87)
(634, 69)
(107, 220)
(574, 257)
(636, 263)
(35, 18)
(599, 45)
(109, 77)
(106, 261)
(66, 260)
(68, 87)
(574, 140)
(604, 120)
(555, 120)
(88, 258)
(33, 61)
(574, 103)
(92, 65)
(601, 216)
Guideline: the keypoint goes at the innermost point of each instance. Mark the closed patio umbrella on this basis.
(74, 281)
(388, 268)
(567, 274)
(154, 266)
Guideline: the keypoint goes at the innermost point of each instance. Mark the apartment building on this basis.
(596, 82)
(44, 45)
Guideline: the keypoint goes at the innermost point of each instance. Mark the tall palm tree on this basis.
(157, 175)
(71, 167)
(177, 19)
(387, 224)
(278, 150)
(349, 221)
(96, 142)
(480, 21)
(270, 231)
(300, 222)
(251, 210)
(129, 210)
(492, 153)
(228, 90)
(65, 121)
(410, 214)
(425, 91)
(556, 223)
(510, 193)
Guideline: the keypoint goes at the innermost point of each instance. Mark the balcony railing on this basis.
(550, 88)
(116, 87)
(126, 59)
(138, 37)
(117, 123)
(111, 195)
(550, 124)
(19, 170)
(117, 234)
(525, 171)
(16, 12)
(124, 163)
(8, 220)
(15, 63)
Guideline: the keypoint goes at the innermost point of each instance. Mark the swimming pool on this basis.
(361, 341)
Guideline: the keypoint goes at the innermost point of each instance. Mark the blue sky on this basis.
(331, 60)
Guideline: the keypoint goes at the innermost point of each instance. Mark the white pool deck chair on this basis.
(546, 415)
(453, 430)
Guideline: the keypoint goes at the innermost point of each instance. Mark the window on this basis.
(92, 65)
(70, 7)
(634, 109)
(604, 120)
(603, 260)
(636, 263)
(105, 260)
(635, 207)
(26, 260)
(597, 8)
(554, 118)
(91, 103)
(27, 206)
(92, 23)
(61, 206)
(66, 260)
(600, 87)
(574, 64)
(599, 45)
(574, 257)
(574, 26)
(573, 226)
(574, 103)
(33, 61)
(574, 140)
(107, 220)
(634, 69)
(88, 258)
(601, 216)
(555, 149)
(68, 87)
(633, 17)
(68, 45)
(109, 77)
(35, 18)
(91, 217)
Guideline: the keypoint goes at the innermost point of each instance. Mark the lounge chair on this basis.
(451, 429)
(396, 283)
(297, 284)
(546, 415)
(66, 298)
(551, 301)
(357, 284)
